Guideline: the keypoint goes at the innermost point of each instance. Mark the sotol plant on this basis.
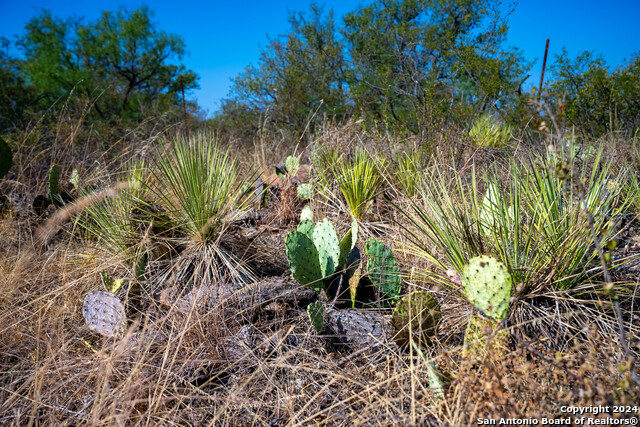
(359, 181)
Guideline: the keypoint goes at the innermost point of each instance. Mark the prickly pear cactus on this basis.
(347, 243)
(315, 312)
(318, 259)
(54, 184)
(75, 180)
(305, 191)
(104, 313)
(383, 269)
(416, 317)
(292, 164)
(487, 284)
(304, 260)
(6, 158)
(306, 227)
(307, 214)
(327, 244)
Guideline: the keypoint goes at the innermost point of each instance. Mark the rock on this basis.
(360, 329)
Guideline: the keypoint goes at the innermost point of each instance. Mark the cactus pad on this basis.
(304, 260)
(315, 312)
(6, 158)
(326, 242)
(104, 313)
(305, 191)
(306, 227)
(487, 284)
(307, 214)
(416, 318)
(383, 269)
(292, 164)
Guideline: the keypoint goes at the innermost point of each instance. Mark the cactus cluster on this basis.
(315, 254)
(320, 260)
(104, 314)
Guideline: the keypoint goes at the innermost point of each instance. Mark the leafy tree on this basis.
(417, 62)
(122, 63)
(15, 94)
(597, 100)
(299, 74)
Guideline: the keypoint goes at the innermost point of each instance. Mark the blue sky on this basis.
(225, 36)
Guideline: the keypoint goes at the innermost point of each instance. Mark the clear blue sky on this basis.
(224, 36)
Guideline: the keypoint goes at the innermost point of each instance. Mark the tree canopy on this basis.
(122, 64)
(411, 63)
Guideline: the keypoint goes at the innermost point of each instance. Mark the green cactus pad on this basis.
(307, 213)
(305, 191)
(292, 164)
(326, 242)
(487, 284)
(416, 317)
(54, 184)
(306, 227)
(304, 260)
(104, 313)
(481, 334)
(345, 248)
(315, 312)
(6, 158)
(383, 269)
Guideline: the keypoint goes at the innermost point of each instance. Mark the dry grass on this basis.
(244, 360)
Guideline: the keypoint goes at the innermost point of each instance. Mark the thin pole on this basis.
(184, 108)
(544, 65)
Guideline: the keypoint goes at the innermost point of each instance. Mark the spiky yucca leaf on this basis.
(358, 180)
(200, 185)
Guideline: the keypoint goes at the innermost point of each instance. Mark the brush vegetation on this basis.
(357, 237)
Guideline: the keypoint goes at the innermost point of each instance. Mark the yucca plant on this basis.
(488, 132)
(535, 224)
(358, 180)
(109, 223)
(199, 185)
(409, 170)
(324, 159)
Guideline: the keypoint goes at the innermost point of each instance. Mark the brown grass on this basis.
(243, 361)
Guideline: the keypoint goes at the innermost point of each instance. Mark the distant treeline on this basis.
(409, 66)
